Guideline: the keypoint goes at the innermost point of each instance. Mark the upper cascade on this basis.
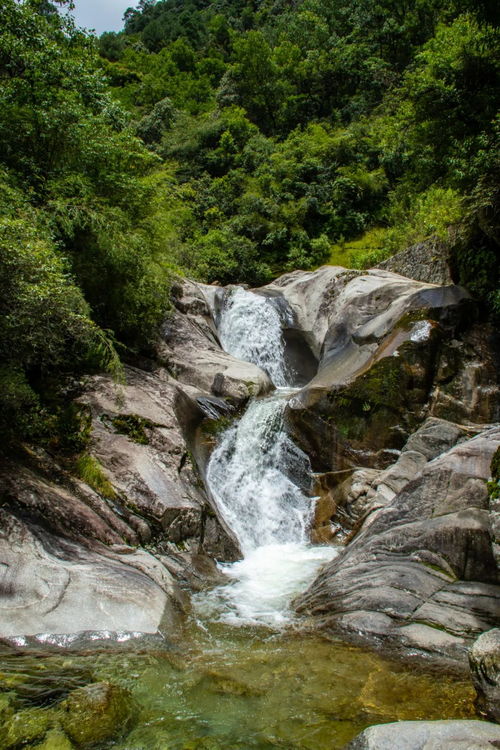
(250, 328)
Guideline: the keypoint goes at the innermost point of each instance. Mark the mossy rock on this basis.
(494, 485)
(495, 465)
(133, 426)
(96, 713)
(26, 726)
(6, 706)
(55, 739)
(214, 427)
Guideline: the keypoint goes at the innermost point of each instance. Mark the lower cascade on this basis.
(259, 479)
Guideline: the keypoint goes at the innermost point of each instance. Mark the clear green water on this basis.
(232, 688)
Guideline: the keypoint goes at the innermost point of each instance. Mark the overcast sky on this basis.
(102, 15)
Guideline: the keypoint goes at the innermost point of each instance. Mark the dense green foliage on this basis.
(82, 262)
(232, 141)
(292, 129)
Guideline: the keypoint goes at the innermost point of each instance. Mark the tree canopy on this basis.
(229, 141)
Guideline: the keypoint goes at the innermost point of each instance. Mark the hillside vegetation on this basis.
(228, 141)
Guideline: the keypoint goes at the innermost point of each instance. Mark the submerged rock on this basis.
(96, 713)
(55, 739)
(428, 735)
(26, 726)
(484, 662)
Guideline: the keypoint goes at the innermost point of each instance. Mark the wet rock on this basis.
(420, 574)
(96, 713)
(428, 735)
(52, 584)
(55, 739)
(379, 337)
(192, 353)
(484, 662)
(26, 726)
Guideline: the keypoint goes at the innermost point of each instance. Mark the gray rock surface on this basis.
(348, 315)
(379, 339)
(428, 735)
(70, 556)
(426, 261)
(420, 574)
(52, 584)
(484, 662)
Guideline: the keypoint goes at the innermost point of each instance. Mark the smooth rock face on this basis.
(484, 662)
(70, 556)
(379, 338)
(157, 477)
(52, 584)
(420, 574)
(428, 735)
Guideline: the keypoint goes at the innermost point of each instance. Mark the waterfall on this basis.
(260, 479)
(250, 329)
(251, 476)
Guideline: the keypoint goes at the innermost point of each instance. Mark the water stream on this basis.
(260, 480)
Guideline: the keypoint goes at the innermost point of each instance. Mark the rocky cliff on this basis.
(397, 410)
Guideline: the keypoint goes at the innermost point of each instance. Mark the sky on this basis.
(102, 15)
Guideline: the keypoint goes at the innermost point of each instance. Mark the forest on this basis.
(228, 142)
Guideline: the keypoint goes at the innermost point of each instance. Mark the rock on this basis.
(466, 385)
(428, 735)
(484, 662)
(26, 726)
(436, 436)
(96, 713)
(420, 574)
(55, 739)
(378, 337)
(64, 542)
(52, 584)
(426, 261)
(157, 478)
(6, 706)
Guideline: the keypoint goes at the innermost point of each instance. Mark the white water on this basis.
(251, 476)
(259, 479)
(250, 329)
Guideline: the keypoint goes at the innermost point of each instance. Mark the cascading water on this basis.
(250, 473)
(250, 329)
(259, 479)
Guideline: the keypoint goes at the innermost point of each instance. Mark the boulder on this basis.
(484, 662)
(25, 726)
(420, 572)
(378, 337)
(53, 584)
(144, 439)
(97, 712)
(428, 735)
